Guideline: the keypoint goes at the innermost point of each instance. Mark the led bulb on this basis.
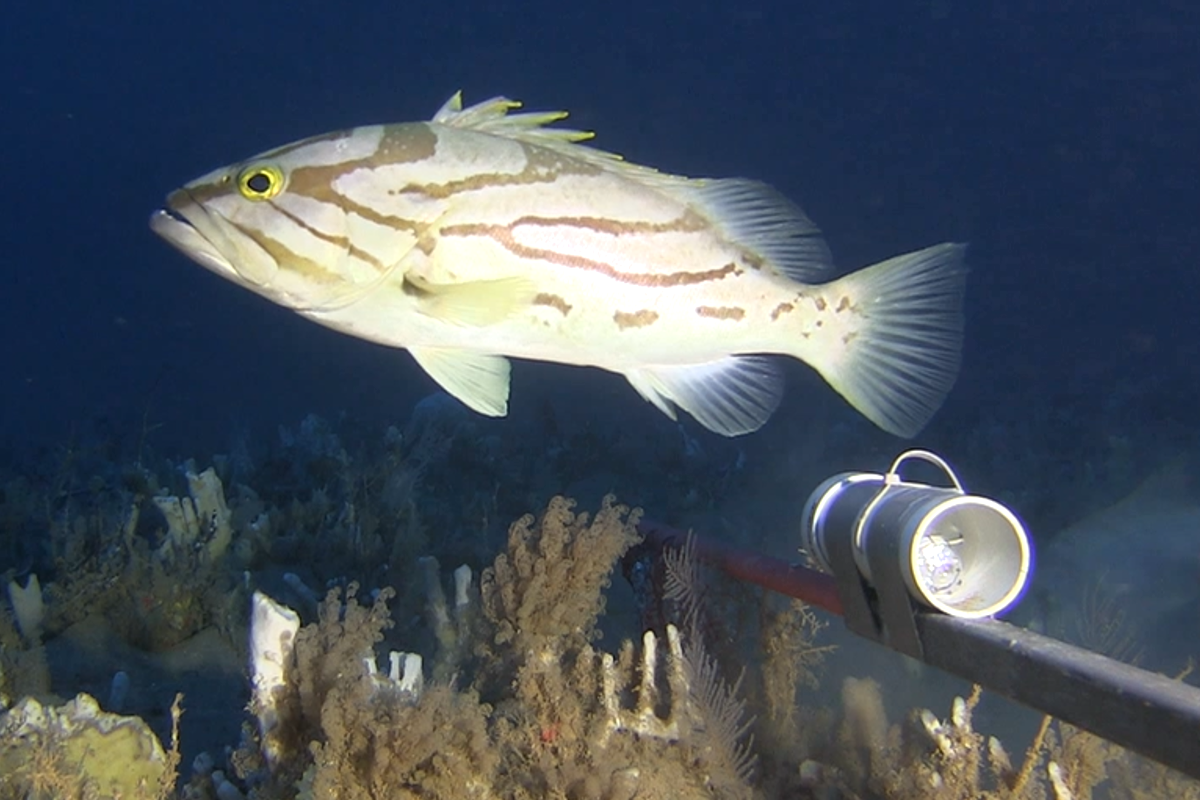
(938, 563)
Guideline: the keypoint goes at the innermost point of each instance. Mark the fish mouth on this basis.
(186, 225)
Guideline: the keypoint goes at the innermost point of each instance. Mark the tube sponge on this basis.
(273, 628)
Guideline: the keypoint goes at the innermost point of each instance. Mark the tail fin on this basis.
(896, 354)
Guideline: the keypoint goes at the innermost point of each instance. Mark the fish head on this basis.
(312, 226)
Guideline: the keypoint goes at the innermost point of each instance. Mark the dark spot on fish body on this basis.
(843, 305)
(553, 301)
(819, 302)
(546, 164)
(426, 243)
(407, 143)
(780, 310)
(753, 260)
(635, 319)
(733, 313)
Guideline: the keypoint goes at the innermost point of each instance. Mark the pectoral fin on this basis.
(730, 396)
(472, 303)
(479, 381)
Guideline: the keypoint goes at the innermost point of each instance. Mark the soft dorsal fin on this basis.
(761, 218)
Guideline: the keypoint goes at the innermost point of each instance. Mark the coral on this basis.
(566, 726)
(380, 744)
(343, 730)
(561, 719)
(926, 757)
(791, 659)
(948, 759)
(501, 688)
(547, 590)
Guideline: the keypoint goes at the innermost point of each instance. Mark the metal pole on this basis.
(1140, 710)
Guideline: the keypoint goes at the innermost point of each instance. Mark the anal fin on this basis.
(479, 381)
(730, 396)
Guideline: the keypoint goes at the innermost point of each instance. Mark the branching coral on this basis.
(547, 590)
(563, 720)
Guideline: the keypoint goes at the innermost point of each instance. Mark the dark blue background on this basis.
(1059, 138)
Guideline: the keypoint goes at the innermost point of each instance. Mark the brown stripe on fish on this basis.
(287, 259)
(733, 313)
(753, 260)
(407, 143)
(541, 166)
(553, 301)
(337, 241)
(400, 144)
(333, 197)
(635, 319)
(201, 194)
(689, 222)
(503, 235)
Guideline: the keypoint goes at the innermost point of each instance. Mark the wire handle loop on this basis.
(893, 474)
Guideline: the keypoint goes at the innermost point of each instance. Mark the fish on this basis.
(490, 233)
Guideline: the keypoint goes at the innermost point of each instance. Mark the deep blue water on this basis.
(1059, 139)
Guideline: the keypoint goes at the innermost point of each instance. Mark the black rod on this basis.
(1143, 711)
(1140, 710)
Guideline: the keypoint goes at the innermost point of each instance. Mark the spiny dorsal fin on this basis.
(492, 116)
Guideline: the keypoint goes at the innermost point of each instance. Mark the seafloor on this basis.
(563, 662)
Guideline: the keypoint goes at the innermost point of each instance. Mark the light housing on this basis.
(962, 554)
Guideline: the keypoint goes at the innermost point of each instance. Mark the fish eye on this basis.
(260, 181)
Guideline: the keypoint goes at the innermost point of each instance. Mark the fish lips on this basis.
(177, 223)
(200, 235)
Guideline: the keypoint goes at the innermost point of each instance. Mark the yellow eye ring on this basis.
(260, 182)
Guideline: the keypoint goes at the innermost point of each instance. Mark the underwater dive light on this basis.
(919, 569)
(962, 554)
